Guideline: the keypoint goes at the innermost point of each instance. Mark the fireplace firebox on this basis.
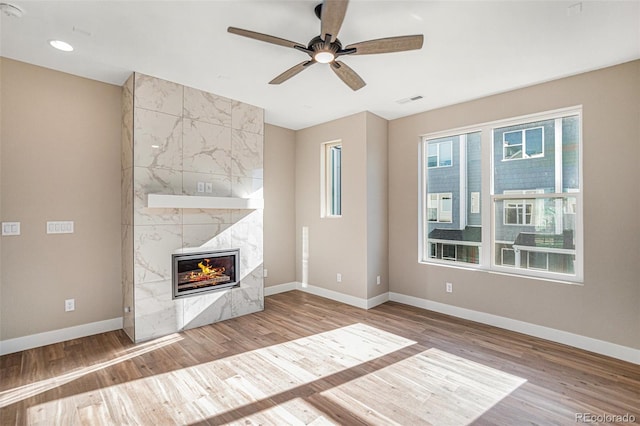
(195, 273)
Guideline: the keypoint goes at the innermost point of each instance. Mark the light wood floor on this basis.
(309, 360)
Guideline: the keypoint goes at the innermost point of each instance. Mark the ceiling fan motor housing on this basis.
(317, 44)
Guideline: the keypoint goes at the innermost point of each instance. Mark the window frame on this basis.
(328, 173)
(487, 247)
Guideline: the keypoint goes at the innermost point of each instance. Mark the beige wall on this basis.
(354, 245)
(377, 206)
(606, 307)
(60, 161)
(279, 199)
(1, 135)
(336, 245)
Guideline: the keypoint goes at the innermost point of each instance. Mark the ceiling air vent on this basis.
(410, 99)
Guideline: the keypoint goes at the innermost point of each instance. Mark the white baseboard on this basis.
(328, 294)
(334, 295)
(280, 288)
(377, 300)
(582, 342)
(42, 339)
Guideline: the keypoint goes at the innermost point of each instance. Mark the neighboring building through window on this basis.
(452, 198)
(439, 207)
(528, 211)
(439, 154)
(526, 143)
(520, 212)
(332, 181)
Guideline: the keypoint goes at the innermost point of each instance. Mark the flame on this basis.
(207, 272)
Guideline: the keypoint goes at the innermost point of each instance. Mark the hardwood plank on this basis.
(309, 360)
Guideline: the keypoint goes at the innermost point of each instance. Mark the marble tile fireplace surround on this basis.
(191, 182)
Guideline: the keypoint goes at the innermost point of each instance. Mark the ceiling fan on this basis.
(326, 48)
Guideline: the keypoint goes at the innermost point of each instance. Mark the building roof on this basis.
(469, 233)
(558, 241)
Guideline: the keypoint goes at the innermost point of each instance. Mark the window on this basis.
(508, 256)
(451, 206)
(332, 182)
(526, 143)
(518, 212)
(439, 154)
(538, 260)
(449, 251)
(519, 217)
(439, 207)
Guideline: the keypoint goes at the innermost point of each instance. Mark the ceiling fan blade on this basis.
(386, 45)
(349, 76)
(291, 72)
(332, 15)
(266, 38)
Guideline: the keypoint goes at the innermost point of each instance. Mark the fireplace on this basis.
(195, 273)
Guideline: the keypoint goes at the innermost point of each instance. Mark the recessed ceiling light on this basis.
(61, 45)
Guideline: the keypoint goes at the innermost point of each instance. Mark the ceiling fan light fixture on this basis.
(324, 56)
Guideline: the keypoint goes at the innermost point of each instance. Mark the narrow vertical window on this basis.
(332, 191)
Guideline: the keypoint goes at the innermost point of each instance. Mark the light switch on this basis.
(60, 227)
(208, 187)
(200, 187)
(10, 228)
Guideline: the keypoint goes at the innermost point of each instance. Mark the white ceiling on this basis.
(471, 49)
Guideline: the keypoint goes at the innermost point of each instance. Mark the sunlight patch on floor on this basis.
(212, 389)
(431, 387)
(14, 395)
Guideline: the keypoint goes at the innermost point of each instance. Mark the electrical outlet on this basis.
(339, 277)
(378, 280)
(208, 187)
(70, 305)
(265, 272)
(449, 287)
(200, 187)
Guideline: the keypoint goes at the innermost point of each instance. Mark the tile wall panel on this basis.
(181, 136)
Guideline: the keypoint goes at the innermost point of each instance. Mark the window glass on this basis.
(332, 183)
(513, 145)
(439, 153)
(533, 211)
(446, 155)
(452, 199)
(534, 141)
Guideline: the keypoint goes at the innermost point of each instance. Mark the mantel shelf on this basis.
(165, 201)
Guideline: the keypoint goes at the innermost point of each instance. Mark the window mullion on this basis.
(487, 208)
